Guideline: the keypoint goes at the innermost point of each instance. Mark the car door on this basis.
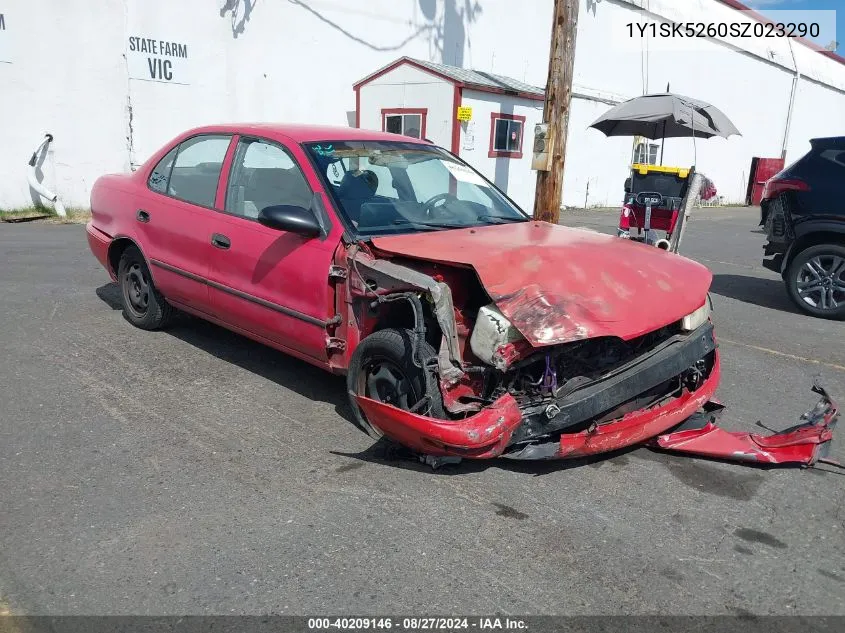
(273, 284)
(173, 217)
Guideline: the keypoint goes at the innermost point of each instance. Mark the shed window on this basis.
(405, 121)
(506, 133)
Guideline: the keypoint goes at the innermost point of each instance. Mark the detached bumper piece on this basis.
(804, 444)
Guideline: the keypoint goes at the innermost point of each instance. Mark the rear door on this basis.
(174, 216)
(274, 284)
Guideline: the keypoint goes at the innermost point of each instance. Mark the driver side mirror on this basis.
(285, 217)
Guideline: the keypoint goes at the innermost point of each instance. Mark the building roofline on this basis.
(459, 84)
(739, 6)
(395, 64)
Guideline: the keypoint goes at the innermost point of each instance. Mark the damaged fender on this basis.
(804, 444)
(481, 436)
(391, 276)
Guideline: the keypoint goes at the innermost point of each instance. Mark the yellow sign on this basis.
(464, 113)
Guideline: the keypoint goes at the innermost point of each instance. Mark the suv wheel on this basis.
(816, 281)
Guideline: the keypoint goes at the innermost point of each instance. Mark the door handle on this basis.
(220, 241)
(142, 216)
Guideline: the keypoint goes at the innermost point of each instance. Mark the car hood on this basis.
(557, 284)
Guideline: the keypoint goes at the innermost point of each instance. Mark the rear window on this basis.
(195, 171)
(820, 162)
(836, 157)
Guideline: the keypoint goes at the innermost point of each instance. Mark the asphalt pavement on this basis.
(193, 471)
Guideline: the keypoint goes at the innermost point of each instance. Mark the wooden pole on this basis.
(547, 199)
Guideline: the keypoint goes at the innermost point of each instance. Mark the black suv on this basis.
(803, 212)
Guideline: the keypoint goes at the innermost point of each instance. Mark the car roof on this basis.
(303, 133)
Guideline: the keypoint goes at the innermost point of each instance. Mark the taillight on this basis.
(777, 186)
(625, 218)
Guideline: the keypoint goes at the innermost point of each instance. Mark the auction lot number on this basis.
(408, 624)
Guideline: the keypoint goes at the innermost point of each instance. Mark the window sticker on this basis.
(328, 150)
(463, 173)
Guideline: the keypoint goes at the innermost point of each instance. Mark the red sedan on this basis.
(464, 327)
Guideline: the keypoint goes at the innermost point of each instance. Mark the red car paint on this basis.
(557, 284)
(802, 444)
(480, 436)
(302, 295)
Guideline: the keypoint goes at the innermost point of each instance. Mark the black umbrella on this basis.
(665, 115)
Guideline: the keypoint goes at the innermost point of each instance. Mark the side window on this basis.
(506, 135)
(160, 176)
(406, 121)
(264, 175)
(197, 169)
(835, 161)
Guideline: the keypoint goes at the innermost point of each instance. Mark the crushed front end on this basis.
(574, 399)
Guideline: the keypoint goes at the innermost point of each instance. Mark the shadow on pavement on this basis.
(387, 453)
(767, 293)
(286, 371)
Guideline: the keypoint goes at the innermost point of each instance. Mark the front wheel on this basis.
(143, 305)
(383, 369)
(816, 281)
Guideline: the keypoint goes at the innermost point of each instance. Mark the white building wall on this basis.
(753, 93)
(596, 166)
(512, 175)
(277, 60)
(410, 87)
(818, 112)
(83, 103)
(296, 60)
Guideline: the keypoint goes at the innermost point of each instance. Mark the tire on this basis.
(815, 281)
(385, 355)
(143, 305)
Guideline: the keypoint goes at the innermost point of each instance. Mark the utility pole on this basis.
(547, 199)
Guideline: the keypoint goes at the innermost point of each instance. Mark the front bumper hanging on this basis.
(804, 444)
(486, 434)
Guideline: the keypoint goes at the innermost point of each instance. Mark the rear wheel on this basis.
(143, 305)
(383, 369)
(816, 281)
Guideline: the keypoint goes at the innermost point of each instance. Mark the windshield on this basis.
(393, 187)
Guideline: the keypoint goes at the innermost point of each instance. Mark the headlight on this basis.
(695, 320)
(491, 331)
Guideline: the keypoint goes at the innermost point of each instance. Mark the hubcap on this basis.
(386, 382)
(136, 287)
(821, 282)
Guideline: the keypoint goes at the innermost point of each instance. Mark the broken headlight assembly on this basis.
(492, 331)
(697, 318)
